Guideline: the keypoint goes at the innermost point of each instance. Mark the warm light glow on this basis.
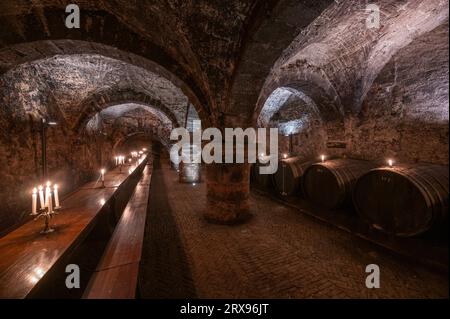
(48, 183)
(37, 274)
(102, 171)
(144, 149)
(323, 158)
(41, 187)
(390, 162)
(102, 201)
(193, 184)
(35, 190)
(55, 186)
(285, 155)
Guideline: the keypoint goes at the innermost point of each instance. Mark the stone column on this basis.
(228, 188)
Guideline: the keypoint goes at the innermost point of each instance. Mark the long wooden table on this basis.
(33, 265)
(116, 274)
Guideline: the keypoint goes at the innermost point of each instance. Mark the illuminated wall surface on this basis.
(357, 91)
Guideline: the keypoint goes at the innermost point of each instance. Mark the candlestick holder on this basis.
(47, 215)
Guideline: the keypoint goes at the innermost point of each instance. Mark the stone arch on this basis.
(275, 26)
(121, 119)
(19, 54)
(109, 98)
(103, 23)
(123, 139)
(403, 31)
(321, 95)
(341, 55)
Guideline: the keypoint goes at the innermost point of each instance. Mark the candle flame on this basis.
(285, 155)
(390, 162)
(48, 183)
(41, 187)
(34, 190)
(55, 186)
(102, 171)
(323, 158)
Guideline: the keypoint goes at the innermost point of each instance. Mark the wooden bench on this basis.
(116, 275)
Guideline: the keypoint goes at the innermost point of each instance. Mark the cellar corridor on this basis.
(288, 149)
(279, 253)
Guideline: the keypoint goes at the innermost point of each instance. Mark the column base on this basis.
(227, 194)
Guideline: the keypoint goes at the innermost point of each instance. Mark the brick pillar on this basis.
(228, 187)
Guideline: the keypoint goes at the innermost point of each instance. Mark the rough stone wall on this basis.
(71, 161)
(378, 92)
(405, 114)
(61, 89)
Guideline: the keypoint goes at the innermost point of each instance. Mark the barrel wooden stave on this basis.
(261, 181)
(330, 183)
(405, 200)
(287, 179)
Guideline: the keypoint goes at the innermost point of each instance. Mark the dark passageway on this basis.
(164, 271)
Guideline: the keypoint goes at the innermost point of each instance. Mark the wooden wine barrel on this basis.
(329, 184)
(189, 173)
(404, 200)
(287, 179)
(258, 180)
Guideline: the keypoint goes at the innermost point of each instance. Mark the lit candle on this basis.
(102, 172)
(285, 155)
(390, 162)
(50, 202)
(48, 194)
(323, 158)
(41, 196)
(117, 160)
(55, 193)
(34, 201)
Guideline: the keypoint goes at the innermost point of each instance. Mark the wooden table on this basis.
(116, 275)
(27, 257)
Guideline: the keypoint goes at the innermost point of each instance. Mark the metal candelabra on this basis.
(47, 214)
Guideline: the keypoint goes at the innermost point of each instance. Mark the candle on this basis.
(55, 193)
(34, 201)
(48, 194)
(41, 196)
(390, 162)
(102, 172)
(50, 202)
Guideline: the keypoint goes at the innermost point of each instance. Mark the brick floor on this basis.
(280, 253)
